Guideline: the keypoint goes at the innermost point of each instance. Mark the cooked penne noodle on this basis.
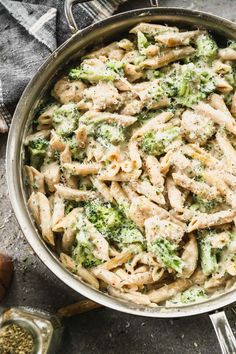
(153, 169)
(142, 208)
(58, 209)
(190, 257)
(199, 188)
(168, 291)
(153, 124)
(217, 116)
(107, 276)
(102, 189)
(118, 260)
(134, 296)
(80, 169)
(134, 154)
(233, 105)
(56, 142)
(36, 179)
(167, 58)
(217, 102)
(33, 204)
(81, 136)
(120, 177)
(173, 39)
(52, 174)
(203, 220)
(118, 194)
(99, 117)
(175, 196)
(74, 194)
(45, 219)
(227, 54)
(149, 191)
(228, 150)
(80, 271)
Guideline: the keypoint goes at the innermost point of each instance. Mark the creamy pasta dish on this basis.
(131, 167)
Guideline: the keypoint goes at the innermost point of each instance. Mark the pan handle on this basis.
(224, 333)
(68, 6)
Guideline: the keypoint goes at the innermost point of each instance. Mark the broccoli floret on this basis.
(77, 153)
(185, 85)
(192, 84)
(165, 252)
(129, 233)
(116, 66)
(204, 206)
(142, 42)
(231, 77)
(93, 73)
(83, 251)
(206, 48)
(37, 151)
(113, 134)
(192, 295)
(155, 143)
(65, 119)
(207, 256)
(112, 223)
(106, 218)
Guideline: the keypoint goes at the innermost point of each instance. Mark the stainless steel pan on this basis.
(104, 31)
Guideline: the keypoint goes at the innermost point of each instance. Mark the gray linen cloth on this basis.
(30, 30)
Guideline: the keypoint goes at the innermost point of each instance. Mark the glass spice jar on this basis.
(29, 330)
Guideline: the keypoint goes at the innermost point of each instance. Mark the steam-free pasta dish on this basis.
(131, 167)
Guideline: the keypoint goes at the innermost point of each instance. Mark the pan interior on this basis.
(70, 52)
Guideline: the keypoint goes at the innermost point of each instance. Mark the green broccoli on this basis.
(231, 77)
(185, 85)
(192, 84)
(116, 66)
(207, 255)
(155, 143)
(206, 48)
(203, 205)
(143, 42)
(83, 251)
(192, 295)
(113, 134)
(77, 153)
(94, 73)
(112, 223)
(37, 151)
(165, 252)
(65, 119)
(129, 233)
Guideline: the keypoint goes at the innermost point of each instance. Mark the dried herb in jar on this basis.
(15, 339)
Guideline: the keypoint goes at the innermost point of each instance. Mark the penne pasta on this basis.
(74, 194)
(199, 188)
(167, 58)
(203, 220)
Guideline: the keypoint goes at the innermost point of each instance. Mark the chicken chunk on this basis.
(66, 91)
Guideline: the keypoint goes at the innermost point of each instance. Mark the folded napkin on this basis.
(29, 32)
